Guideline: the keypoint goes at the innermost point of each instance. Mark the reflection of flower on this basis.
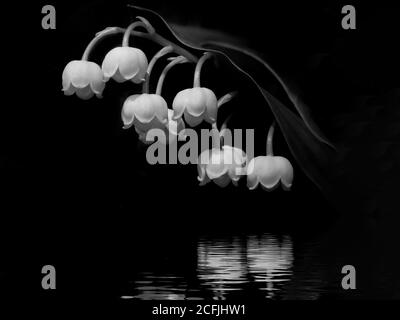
(171, 131)
(220, 265)
(125, 63)
(196, 104)
(270, 260)
(269, 171)
(221, 165)
(145, 111)
(84, 78)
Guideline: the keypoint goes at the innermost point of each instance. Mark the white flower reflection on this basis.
(270, 261)
(263, 261)
(220, 265)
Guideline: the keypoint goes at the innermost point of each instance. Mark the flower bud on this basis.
(84, 78)
(269, 171)
(145, 112)
(196, 104)
(125, 63)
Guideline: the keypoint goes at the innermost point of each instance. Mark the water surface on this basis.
(256, 266)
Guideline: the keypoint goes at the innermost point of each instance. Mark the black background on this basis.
(78, 194)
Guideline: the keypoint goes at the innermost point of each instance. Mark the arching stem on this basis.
(175, 61)
(226, 98)
(223, 129)
(128, 31)
(216, 139)
(100, 35)
(221, 101)
(152, 62)
(225, 124)
(270, 151)
(155, 37)
(199, 65)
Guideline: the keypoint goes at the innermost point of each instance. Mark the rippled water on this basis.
(263, 266)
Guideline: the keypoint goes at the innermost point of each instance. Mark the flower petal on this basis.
(142, 136)
(160, 107)
(118, 77)
(85, 72)
(84, 93)
(252, 178)
(203, 161)
(125, 63)
(128, 110)
(202, 177)
(97, 87)
(216, 168)
(69, 90)
(195, 103)
(132, 63)
(211, 104)
(74, 70)
(235, 159)
(179, 103)
(110, 63)
(143, 108)
(222, 181)
(191, 120)
(174, 126)
(268, 172)
(286, 171)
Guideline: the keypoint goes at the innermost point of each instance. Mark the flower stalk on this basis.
(128, 31)
(199, 65)
(226, 98)
(99, 36)
(164, 51)
(157, 38)
(270, 151)
(216, 137)
(175, 61)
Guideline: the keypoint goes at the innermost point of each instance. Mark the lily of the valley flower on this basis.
(145, 111)
(84, 78)
(198, 103)
(221, 165)
(126, 63)
(269, 170)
